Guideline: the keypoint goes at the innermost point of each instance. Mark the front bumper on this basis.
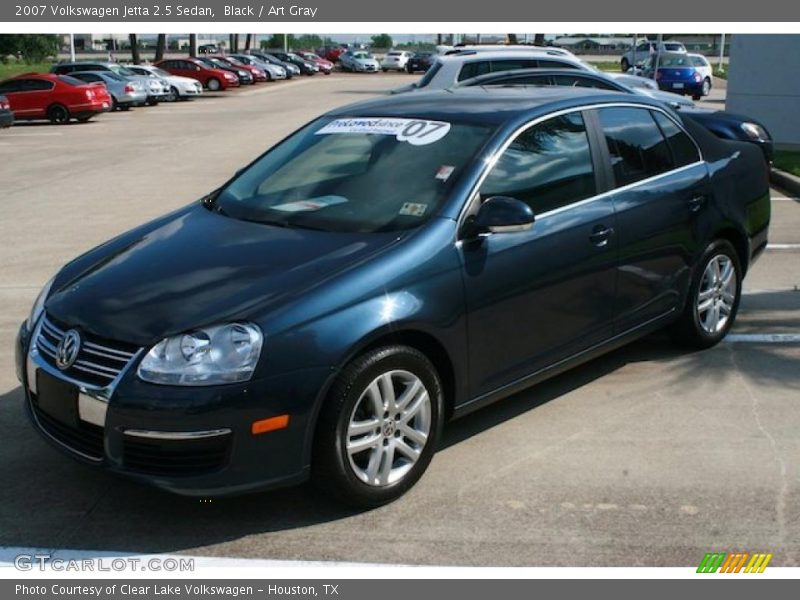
(194, 441)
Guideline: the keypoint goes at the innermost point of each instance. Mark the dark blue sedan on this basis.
(389, 266)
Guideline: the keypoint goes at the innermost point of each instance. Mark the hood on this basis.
(197, 268)
(182, 79)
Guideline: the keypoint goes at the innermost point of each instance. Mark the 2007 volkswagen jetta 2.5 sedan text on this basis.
(389, 266)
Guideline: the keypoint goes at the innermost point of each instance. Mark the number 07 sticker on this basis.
(417, 132)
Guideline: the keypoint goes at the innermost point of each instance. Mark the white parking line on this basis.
(762, 338)
(783, 246)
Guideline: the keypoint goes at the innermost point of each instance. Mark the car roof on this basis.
(520, 73)
(498, 54)
(490, 105)
(48, 76)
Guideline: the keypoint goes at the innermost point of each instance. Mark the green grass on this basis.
(607, 65)
(720, 74)
(788, 160)
(12, 68)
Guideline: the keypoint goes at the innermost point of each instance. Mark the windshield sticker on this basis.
(311, 204)
(444, 172)
(412, 209)
(417, 132)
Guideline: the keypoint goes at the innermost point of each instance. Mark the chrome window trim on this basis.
(491, 161)
(177, 435)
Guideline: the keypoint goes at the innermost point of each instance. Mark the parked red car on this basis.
(258, 74)
(212, 79)
(331, 53)
(59, 98)
(325, 66)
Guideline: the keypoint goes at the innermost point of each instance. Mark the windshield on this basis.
(71, 80)
(120, 70)
(355, 174)
(361, 55)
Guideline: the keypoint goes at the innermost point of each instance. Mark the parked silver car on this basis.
(645, 49)
(180, 88)
(124, 92)
(449, 70)
(358, 61)
(157, 88)
(272, 71)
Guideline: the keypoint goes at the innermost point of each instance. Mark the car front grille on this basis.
(99, 361)
(185, 457)
(85, 439)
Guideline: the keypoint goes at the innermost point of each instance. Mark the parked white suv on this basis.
(447, 71)
(645, 49)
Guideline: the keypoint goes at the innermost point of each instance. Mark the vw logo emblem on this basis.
(67, 349)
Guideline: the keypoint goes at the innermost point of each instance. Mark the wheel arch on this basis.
(739, 241)
(423, 341)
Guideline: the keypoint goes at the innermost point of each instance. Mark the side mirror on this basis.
(499, 214)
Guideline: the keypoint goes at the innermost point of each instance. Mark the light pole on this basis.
(72, 47)
(721, 66)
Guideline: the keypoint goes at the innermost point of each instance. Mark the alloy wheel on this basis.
(388, 428)
(717, 294)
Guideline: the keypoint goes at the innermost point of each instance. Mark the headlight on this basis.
(242, 73)
(208, 356)
(38, 305)
(754, 131)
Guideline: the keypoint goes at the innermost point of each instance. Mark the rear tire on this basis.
(714, 296)
(378, 429)
(58, 114)
(624, 65)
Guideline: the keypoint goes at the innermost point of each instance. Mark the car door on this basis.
(661, 192)
(31, 98)
(535, 297)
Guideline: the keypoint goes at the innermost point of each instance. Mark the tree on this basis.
(135, 48)
(161, 46)
(538, 39)
(32, 47)
(382, 40)
(511, 38)
(276, 41)
(308, 41)
(247, 41)
(193, 44)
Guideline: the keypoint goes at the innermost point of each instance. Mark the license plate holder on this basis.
(677, 86)
(57, 398)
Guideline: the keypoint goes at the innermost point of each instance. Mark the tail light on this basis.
(90, 94)
(129, 89)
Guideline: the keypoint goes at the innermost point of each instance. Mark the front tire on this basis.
(214, 84)
(714, 297)
(706, 87)
(173, 95)
(379, 427)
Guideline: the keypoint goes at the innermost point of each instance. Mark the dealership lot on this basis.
(648, 456)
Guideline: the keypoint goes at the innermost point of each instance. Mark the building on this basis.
(763, 83)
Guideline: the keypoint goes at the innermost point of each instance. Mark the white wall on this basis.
(764, 83)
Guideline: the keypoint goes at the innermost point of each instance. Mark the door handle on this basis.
(600, 235)
(697, 202)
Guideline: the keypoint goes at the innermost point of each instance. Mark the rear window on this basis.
(429, 75)
(70, 80)
(392, 54)
(684, 152)
(699, 61)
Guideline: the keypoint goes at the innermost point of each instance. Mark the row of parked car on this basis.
(79, 90)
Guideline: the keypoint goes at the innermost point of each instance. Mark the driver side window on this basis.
(547, 166)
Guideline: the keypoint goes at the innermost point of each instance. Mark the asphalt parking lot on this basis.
(647, 456)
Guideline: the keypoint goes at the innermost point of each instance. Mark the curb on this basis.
(786, 181)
